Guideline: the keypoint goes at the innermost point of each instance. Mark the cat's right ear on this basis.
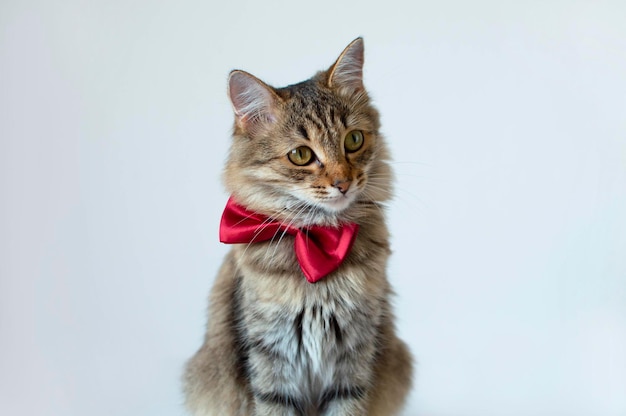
(254, 102)
(347, 71)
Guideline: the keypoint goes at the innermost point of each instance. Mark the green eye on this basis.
(301, 156)
(353, 141)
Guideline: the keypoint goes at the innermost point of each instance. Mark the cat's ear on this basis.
(347, 71)
(254, 102)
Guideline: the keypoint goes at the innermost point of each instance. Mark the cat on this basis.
(304, 156)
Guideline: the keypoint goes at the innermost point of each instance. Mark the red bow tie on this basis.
(320, 250)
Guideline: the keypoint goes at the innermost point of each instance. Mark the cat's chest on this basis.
(329, 341)
(313, 338)
(308, 333)
(319, 340)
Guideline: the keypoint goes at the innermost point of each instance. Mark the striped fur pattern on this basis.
(276, 344)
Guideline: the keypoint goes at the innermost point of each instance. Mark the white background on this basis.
(507, 122)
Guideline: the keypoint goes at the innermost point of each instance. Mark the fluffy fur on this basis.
(276, 344)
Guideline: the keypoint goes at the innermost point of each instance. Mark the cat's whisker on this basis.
(376, 204)
(311, 214)
(290, 213)
(416, 163)
(404, 192)
(266, 223)
(398, 196)
(246, 218)
(286, 228)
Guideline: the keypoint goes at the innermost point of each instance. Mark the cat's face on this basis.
(311, 152)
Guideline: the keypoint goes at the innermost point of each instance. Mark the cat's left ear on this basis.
(347, 71)
(255, 103)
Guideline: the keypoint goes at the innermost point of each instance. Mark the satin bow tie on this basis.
(319, 250)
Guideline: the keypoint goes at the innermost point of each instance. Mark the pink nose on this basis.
(343, 186)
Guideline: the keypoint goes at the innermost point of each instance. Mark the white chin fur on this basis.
(338, 203)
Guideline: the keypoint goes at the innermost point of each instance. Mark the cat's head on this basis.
(311, 152)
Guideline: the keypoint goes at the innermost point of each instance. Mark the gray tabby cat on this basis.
(307, 154)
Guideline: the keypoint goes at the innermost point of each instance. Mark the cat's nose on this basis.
(342, 185)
